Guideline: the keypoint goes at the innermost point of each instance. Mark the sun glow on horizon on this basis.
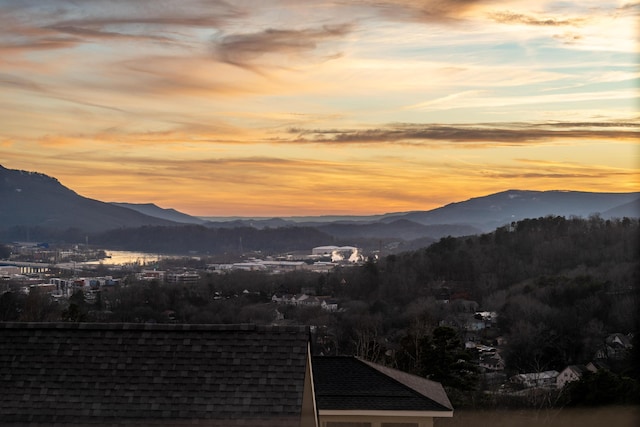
(284, 109)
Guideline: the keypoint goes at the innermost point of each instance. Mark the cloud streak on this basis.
(427, 11)
(64, 24)
(519, 18)
(484, 134)
(243, 49)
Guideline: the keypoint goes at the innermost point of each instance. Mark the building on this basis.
(338, 253)
(183, 277)
(76, 374)
(352, 392)
(152, 275)
(616, 347)
(9, 271)
(491, 361)
(569, 374)
(324, 250)
(546, 379)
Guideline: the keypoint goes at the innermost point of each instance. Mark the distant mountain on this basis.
(153, 210)
(33, 199)
(630, 210)
(258, 223)
(319, 219)
(402, 229)
(492, 211)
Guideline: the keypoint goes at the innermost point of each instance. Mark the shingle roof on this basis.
(348, 383)
(578, 369)
(64, 373)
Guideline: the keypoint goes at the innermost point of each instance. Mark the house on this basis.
(546, 379)
(595, 365)
(306, 300)
(616, 347)
(298, 299)
(491, 361)
(329, 304)
(569, 374)
(281, 298)
(76, 374)
(353, 392)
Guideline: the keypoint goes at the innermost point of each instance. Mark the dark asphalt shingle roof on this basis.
(348, 383)
(62, 373)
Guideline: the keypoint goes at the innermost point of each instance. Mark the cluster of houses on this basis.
(616, 347)
(321, 260)
(272, 266)
(306, 300)
(553, 379)
(64, 288)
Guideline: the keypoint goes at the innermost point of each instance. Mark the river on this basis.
(126, 257)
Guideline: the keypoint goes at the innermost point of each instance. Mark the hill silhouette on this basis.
(38, 206)
(31, 199)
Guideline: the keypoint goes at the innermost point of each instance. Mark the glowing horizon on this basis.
(287, 108)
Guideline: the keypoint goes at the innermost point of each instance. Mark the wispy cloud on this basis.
(423, 10)
(484, 134)
(243, 49)
(64, 24)
(89, 33)
(541, 21)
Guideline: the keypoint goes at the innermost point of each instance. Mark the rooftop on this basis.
(348, 383)
(79, 373)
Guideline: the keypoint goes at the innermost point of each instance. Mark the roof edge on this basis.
(244, 327)
(435, 392)
(382, 413)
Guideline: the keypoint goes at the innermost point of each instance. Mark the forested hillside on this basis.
(559, 286)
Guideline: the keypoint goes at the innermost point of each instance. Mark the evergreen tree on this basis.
(444, 359)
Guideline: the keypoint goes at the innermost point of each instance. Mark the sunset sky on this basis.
(278, 108)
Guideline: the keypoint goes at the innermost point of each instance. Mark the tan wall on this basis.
(374, 421)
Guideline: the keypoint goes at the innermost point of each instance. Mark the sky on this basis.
(281, 108)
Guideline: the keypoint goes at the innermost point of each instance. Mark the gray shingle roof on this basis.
(65, 373)
(348, 383)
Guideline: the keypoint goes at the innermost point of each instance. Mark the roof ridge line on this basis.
(237, 327)
(373, 366)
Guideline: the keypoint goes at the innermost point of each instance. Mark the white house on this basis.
(545, 379)
(569, 374)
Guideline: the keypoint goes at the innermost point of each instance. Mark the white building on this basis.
(536, 379)
(569, 374)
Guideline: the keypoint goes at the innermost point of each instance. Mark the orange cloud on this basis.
(519, 18)
(423, 10)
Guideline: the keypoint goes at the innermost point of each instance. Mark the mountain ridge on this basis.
(32, 199)
(497, 209)
(170, 214)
